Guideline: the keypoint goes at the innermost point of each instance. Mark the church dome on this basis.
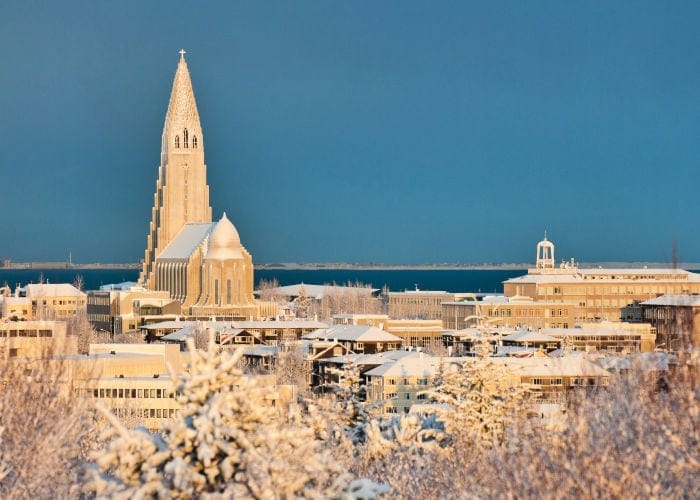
(224, 242)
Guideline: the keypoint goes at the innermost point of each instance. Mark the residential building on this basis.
(676, 319)
(357, 338)
(607, 336)
(43, 301)
(419, 304)
(35, 339)
(414, 332)
(270, 333)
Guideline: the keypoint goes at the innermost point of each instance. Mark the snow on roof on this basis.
(189, 237)
(16, 300)
(370, 359)
(586, 332)
(514, 350)
(567, 366)
(292, 323)
(647, 361)
(167, 325)
(478, 333)
(180, 335)
(52, 290)
(419, 364)
(619, 275)
(261, 351)
(317, 291)
(524, 336)
(353, 333)
(126, 285)
(674, 300)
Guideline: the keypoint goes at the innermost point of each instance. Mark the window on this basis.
(194, 141)
(184, 138)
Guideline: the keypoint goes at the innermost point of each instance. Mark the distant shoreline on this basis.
(359, 267)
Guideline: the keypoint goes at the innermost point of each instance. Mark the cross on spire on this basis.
(182, 53)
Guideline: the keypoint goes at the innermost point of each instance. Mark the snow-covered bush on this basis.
(227, 440)
(44, 430)
(403, 434)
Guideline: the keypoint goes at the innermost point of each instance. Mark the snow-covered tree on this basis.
(228, 440)
(475, 400)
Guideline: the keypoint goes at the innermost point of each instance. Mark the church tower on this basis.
(182, 193)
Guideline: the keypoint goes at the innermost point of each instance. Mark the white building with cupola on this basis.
(597, 293)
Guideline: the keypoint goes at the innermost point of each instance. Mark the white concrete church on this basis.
(201, 263)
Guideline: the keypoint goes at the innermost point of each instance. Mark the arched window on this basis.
(194, 141)
(177, 141)
(184, 138)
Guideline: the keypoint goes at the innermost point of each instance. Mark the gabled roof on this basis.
(293, 323)
(524, 336)
(418, 364)
(567, 366)
(190, 236)
(353, 333)
(378, 358)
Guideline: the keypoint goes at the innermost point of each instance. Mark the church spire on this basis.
(182, 194)
(182, 130)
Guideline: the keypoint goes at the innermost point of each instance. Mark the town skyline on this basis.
(399, 134)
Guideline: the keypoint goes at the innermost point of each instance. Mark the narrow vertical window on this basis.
(177, 141)
(216, 292)
(228, 291)
(184, 138)
(194, 141)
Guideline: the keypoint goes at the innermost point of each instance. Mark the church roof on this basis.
(224, 242)
(187, 240)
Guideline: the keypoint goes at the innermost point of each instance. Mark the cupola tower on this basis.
(545, 254)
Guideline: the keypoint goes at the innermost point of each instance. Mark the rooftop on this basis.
(190, 236)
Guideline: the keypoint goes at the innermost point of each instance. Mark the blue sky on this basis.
(396, 132)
